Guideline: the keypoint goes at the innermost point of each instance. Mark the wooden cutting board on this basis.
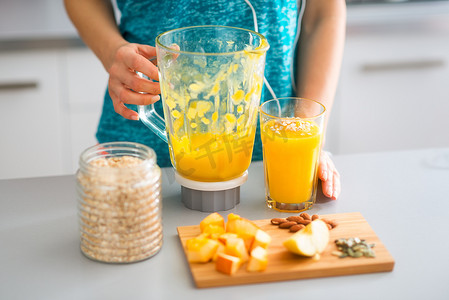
(283, 265)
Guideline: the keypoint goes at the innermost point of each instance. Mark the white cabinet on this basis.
(31, 125)
(51, 90)
(87, 81)
(50, 104)
(394, 89)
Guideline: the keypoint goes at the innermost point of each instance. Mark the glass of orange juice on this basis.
(291, 133)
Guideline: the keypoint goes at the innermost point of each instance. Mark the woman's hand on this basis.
(96, 24)
(330, 178)
(126, 86)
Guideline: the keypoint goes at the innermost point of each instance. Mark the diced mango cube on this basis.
(261, 239)
(236, 247)
(203, 235)
(233, 216)
(221, 249)
(227, 264)
(223, 237)
(243, 228)
(212, 219)
(213, 229)
(258, 260)
(200, 250)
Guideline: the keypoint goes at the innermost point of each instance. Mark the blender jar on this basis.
(211, 80)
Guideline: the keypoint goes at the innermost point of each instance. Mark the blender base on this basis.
(210, 196)
(210, 201)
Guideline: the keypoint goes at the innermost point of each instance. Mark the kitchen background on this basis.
(393, 92)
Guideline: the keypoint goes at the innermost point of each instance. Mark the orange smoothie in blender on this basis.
(212, 157)
(291, 148)
(212, 141)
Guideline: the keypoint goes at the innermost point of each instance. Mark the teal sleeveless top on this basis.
(142, 21)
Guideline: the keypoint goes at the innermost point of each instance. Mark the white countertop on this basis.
(402, 195)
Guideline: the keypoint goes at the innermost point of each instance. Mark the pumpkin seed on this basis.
(337, 253)
(350, 252)
(358, 254)
(353, 247)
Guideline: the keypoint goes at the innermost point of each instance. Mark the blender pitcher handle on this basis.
(150, 118)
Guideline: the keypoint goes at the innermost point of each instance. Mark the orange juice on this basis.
(212, 157)
(290, 148)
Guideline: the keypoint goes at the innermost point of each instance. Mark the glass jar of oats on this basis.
(119, 202)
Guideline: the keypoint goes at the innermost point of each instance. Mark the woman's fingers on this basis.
(121, 109)
(322, 168)
(337, 185)
(330, 178)
(136, 83)
(126, 86)
(147, 51)
(328, 185)
(127, 62)
(137, 59)
(129, 96)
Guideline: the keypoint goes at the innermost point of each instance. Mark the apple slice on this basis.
(258, 260)
(227, 264)
(310, 241)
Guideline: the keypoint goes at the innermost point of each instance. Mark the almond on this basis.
(305, 222)
(286, 225)
(306, 216)
(297, 227)
(296, 219)
(277, 221)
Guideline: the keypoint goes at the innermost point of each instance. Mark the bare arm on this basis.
(321, 50)
(95, 22)
(319, 60)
